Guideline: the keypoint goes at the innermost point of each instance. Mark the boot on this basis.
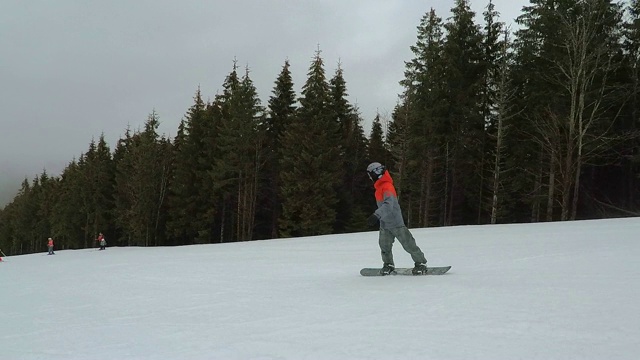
(387, 269)
(419, 269)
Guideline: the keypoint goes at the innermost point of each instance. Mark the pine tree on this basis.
(281, 113)
(105, 172)
(377, 149)
(96, 188)
(122, 201)
(241, 159)
(191, 197)
(66, 220)
(353, 152)
(142, 177)
(625, 177)
(6, 232)
(492, 51)
(25, 240)
(310, 166)
(44, 196)
(419, 129)
(180, 189)
(462, 54)
(503, 111)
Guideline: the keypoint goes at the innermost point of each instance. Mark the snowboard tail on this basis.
(440, 270)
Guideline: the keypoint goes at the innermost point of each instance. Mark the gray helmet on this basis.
(375, 171)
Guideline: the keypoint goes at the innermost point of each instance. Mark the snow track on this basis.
(535, 291)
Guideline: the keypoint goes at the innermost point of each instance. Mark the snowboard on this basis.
(440, 270)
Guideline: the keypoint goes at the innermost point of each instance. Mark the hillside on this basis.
(528, 291)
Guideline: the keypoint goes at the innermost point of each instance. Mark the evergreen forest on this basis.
(532, 122)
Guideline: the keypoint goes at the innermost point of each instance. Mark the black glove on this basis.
(373, 220)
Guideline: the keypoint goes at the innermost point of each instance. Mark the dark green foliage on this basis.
(19, 218)
(192, 201)
(5, 229)
(377, 149)
(352, 144)
(67, 219)
(462, 54)
(571, 52)
(240, 156)
(142, 174)
(310, 165)
(96, 183)
(493, 49)
(418, 135)
(43, 192)
(68, 209)
(281, 113)
(625, 184)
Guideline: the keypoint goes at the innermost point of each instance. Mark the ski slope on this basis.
(567, 290)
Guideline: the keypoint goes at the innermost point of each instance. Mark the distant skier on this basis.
(392, 226)
(102, 241)
(50, 246)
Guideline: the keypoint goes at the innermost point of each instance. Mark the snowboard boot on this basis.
(419, 269)
(387, 269)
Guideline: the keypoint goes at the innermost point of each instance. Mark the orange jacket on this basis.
(384, 186)
(388, 211)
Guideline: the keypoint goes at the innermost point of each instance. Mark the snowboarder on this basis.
(102, 241)
(50, 246)
(392, 226)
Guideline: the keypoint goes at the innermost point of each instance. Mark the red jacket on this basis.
(50, 243)
(388, 211)
(384, 186)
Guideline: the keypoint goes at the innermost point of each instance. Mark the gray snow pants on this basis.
(407, 241)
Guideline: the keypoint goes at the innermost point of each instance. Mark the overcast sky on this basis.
(71, 70)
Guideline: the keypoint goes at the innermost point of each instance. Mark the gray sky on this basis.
(73, 69)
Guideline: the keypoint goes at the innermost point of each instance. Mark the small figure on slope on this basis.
(50, 246)
(102, 241)
(392, 226)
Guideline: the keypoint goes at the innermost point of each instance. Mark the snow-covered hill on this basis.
(566, 290)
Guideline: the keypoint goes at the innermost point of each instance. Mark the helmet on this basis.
(375, 171)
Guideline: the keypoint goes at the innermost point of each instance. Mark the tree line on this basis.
(494, 125)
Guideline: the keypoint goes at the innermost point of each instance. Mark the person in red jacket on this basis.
(392, 226)
(50, 246)
(102, 241)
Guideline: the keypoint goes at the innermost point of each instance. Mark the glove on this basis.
(373, 220)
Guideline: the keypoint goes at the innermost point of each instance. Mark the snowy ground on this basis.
(533, 291)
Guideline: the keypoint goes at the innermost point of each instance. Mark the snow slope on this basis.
(525, 291)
